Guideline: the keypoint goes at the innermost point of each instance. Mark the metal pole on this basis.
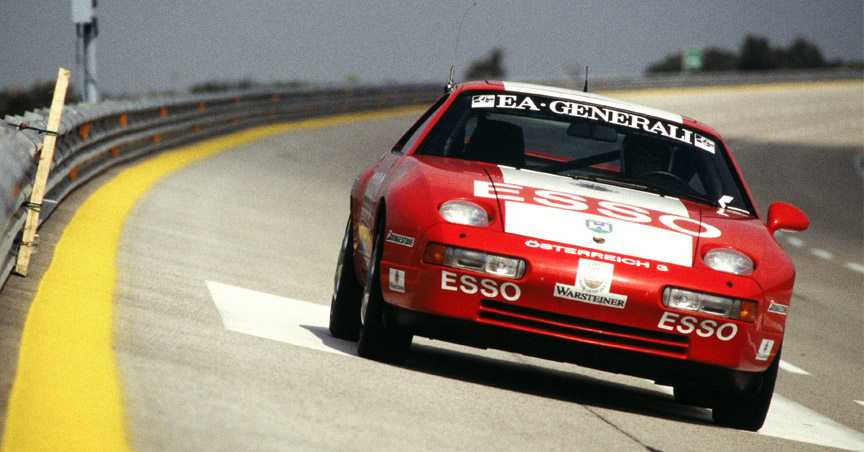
(84, 17)
(90, 89)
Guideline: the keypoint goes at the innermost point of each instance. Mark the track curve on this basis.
(268, 216)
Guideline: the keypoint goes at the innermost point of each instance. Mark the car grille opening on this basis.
(583, 330)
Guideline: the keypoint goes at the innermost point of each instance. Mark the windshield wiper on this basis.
(558, 167)
(625, 183)
(649, 187)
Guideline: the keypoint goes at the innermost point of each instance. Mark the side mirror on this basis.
(786, 217)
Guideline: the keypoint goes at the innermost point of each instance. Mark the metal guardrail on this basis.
(96, 136)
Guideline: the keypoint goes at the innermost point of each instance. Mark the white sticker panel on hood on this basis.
(580, 229)
(584, 227)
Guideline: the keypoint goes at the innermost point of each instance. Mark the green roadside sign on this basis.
(692, 60)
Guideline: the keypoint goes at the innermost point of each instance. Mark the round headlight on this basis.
(464, 212)
(729, 261)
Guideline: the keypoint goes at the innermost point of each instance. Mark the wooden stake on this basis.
(45, 159)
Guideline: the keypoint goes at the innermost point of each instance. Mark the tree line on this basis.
(18, 101)
(39, 95)
(756, 54)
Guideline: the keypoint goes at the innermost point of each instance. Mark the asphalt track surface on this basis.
(257, 226)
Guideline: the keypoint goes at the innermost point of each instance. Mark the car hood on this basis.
(584, 214)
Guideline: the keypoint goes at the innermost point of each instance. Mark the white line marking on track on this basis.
(792, 369)
(306, 324)
(855, 267)
(818, 252)
(822, 254)
(859, 401)
(789, 420)
(795, 241)
(278, 318)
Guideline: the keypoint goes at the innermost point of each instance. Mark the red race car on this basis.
(574, 227)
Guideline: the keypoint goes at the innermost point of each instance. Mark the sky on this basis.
(147, 46)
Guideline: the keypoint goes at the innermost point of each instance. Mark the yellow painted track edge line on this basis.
(66, 394)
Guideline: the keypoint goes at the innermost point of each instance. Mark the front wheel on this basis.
(347, 292)
(746, 410)
(377, 341)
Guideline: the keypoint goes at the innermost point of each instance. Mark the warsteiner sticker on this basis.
(594, 277)
(593, 283)
(570, 293)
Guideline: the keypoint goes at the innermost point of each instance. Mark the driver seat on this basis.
(497, 142)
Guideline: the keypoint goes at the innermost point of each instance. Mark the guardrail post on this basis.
(45, 158)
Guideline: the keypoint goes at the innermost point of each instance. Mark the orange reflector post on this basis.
(84, 131)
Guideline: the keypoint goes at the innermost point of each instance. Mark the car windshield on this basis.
(584, 140)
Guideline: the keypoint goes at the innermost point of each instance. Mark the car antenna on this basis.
(585, 88)
(450, 83)
(456, 47)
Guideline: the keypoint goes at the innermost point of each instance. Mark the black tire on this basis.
(692, 393)
(377, 341)
(347, 292)
(747, 410)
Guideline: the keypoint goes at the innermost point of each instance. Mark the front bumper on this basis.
(553, 308)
